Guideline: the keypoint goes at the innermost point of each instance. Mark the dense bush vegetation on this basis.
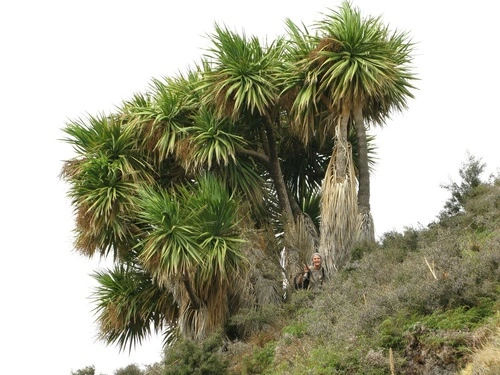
(424, 301)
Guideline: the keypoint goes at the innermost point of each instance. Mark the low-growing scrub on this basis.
(187, 357)
(426, 301)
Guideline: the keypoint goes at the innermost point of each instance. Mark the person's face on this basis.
(316, 261)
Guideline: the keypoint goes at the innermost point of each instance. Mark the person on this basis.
(315, 273)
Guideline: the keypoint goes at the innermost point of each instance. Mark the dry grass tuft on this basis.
(485, 360)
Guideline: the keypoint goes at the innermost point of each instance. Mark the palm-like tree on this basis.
(196, 186)
(188, 270)
(158, 186)
(357, 73)
(370, 74)
(194, 239)
(244, 86)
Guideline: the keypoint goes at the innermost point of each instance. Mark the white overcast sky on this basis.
(62, 60)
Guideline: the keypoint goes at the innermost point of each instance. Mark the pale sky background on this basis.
(62, 60)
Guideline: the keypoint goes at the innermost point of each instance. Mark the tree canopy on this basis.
(212, 187)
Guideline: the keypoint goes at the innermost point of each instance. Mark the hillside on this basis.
(424, 301)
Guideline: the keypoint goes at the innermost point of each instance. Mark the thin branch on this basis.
(195, 301)
(255, 154)
(430, 268)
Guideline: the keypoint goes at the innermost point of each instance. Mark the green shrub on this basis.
(260, 359)
(253, 320)
(187, 357)
(463, 317)
(131, 369)
(88, 370)
(297, 329)
(391, 333)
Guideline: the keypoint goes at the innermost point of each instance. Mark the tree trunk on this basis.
(195, 301)
(291, 251)
(338, 203)
(277, 175)
(365, 230)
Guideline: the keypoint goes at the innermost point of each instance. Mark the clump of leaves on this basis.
(391, 332)
(131, 369)
(187, 357)
(470, 172)
(260, 359)
(88, 370)
(297, 329)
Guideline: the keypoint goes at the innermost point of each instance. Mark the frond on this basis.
(107, 137)
(304, 167)
(171, 114)
(362, 62)
(244, 74)
(245, 178)
(192, 228)
(103, 181)
(300, 42)
(129, 305)
(170, 246)
(217, 227)
(213, 141)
